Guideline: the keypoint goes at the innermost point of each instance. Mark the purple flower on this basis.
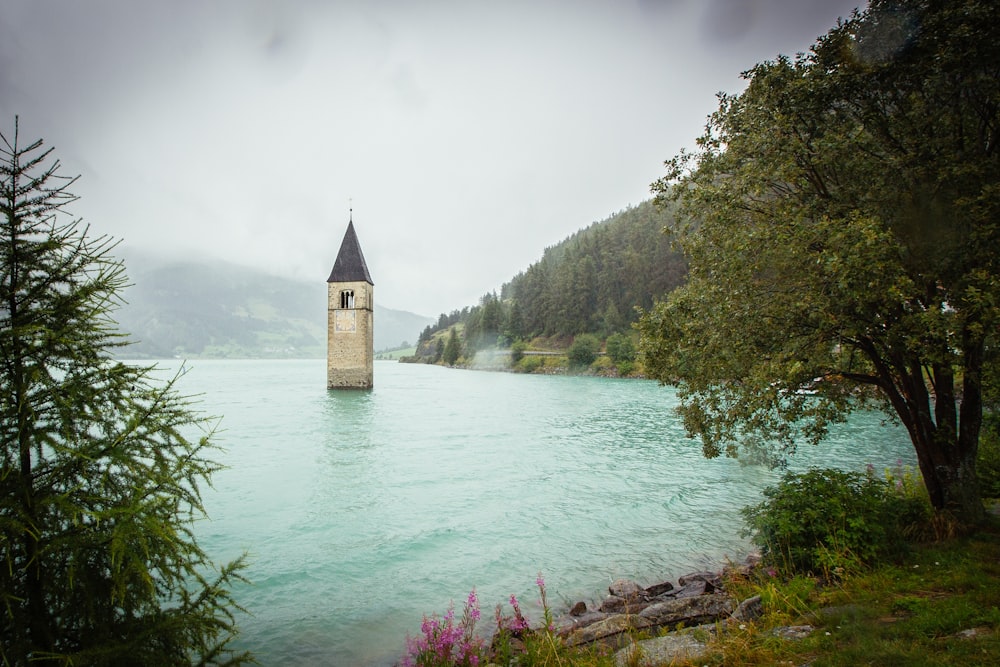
(472, 605)
(446, 643)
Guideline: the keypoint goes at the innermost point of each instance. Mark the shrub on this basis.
(583, 351)
(621, 349)
(529, 364)
(826, 521)
(602, 365)
(517, 351)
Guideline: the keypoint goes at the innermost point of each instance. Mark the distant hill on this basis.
(213, 309)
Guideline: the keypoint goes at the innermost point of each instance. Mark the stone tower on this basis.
(350, 304)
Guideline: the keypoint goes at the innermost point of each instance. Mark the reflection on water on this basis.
(363, 510)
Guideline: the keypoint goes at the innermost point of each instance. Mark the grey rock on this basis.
(626, 588)
(691, 611)
(974, 633)
(609, 630)
(690, 589)
(793, 631)
(656, 590)
(566, 625)
(661, 651)
(617, 605)
(749, 610)
(713, 580)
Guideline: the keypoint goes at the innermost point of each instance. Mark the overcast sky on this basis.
(467, 136)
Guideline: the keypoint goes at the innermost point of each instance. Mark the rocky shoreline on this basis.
(698, 599)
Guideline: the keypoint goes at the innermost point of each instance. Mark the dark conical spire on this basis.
(350, 265)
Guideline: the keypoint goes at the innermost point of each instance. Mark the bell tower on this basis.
(350, 305)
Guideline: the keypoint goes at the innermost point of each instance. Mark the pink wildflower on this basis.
(472, 604)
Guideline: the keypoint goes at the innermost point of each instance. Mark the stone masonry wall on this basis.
(350, 337)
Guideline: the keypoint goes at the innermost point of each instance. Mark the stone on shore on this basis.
(663, 650)
(609, 630)
(691, 611)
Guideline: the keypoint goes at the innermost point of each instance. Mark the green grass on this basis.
(394, 355)
(911, 613)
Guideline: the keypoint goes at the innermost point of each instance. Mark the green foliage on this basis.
(841, 230)
(583, 351)
(620, 348)
(484, 323)
(517, 351)
(941, 606)
(826, 521)
(529, 364)
(99, 472)
(452, 349)
(591, 282)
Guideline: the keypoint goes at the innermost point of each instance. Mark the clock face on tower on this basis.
(345, 321)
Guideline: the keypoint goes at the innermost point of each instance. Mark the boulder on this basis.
(713, 580)
(690, 611)
(610, 630)
(627, 589)
(690, 589)
(617, 605)
(656, 590)
(749, 610)
(665, 650)
(566, 625)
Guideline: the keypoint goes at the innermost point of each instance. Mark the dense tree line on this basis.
(592, 282)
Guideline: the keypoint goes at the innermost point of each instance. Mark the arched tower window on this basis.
(347, 298)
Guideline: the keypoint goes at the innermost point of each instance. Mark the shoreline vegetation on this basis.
(938, 603)
(585, 354)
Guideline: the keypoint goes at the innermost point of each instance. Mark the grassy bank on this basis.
(939, 606)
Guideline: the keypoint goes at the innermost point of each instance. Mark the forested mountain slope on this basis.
(591, 282)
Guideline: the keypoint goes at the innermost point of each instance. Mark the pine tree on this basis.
(453, 349)
(100, 465)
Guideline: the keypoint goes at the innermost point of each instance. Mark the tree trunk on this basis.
(948, 467)
(946, 440)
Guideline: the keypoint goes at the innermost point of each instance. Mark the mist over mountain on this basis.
(206, 308)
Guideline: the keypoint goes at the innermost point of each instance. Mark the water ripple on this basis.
(362, 511)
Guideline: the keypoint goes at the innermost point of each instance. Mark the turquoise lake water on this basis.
(363, 511)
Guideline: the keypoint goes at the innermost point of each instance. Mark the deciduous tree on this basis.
(843, 234)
